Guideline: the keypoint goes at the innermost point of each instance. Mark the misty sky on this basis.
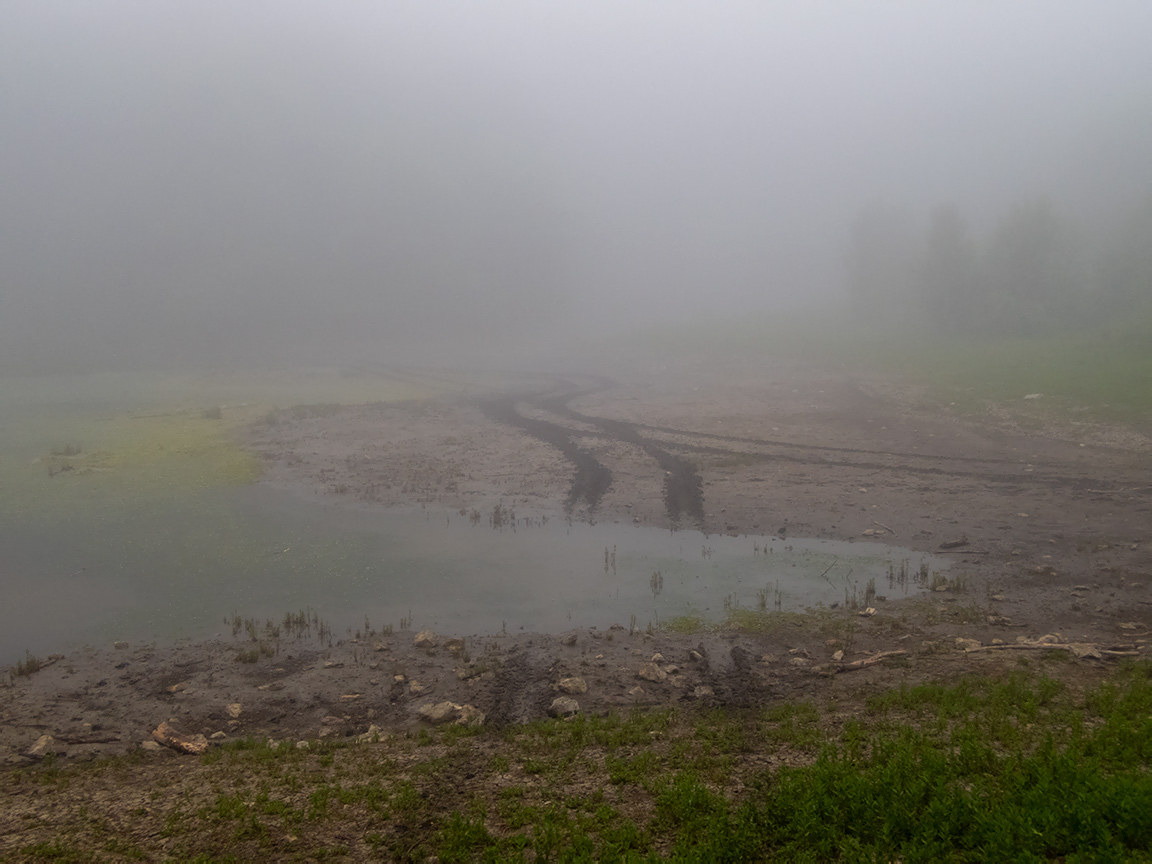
(219, 180)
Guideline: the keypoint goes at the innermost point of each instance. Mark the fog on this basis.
(287, 181)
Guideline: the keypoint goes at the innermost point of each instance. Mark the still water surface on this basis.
(179, 569)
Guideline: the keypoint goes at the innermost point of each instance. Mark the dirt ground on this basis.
(1049, 521)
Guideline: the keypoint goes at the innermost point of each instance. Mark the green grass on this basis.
(1020, 767)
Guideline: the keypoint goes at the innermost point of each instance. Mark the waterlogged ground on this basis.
(739, 518)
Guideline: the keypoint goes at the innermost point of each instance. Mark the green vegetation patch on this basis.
(1012, 767)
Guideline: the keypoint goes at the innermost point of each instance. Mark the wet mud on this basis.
(683, 488)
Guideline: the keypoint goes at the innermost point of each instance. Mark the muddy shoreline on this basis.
(1052, 521)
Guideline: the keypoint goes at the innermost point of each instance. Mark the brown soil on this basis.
(1055, 519)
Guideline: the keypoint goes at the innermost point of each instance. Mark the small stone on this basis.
(652, 672)
(218, 736)
(149, 745)
(301, 745)
(425, 639)
(178, 688)
(867, 613)
(234, 710)
(119, 645)
(470, 715)
(455, 644)
(169, 736)
(1049, 639)
(332, 664)
(637, 692)
(416, 688)
(573, 686)
(1129, 625)
(997, 641)
(373, 734)
(768, 658)
(41, 748)
(563, 706)
(441, 712)
(703, 691)
(273, 686)
(967, 644)
(838, 656)
(695, 656)
(568, 639)
(380, 646)
(657, 657)
(799, 661)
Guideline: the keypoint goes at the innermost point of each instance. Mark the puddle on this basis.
(260, 552)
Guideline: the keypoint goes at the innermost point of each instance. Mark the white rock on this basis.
(573, 686)
(564, 706)
(652, 672)
(425, 639)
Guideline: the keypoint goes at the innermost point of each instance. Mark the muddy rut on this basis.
(682, 486)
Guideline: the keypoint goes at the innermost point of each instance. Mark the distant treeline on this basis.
(1037, 271)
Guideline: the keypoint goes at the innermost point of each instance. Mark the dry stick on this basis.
(868, 661)
(1036, 646)
(885, 527)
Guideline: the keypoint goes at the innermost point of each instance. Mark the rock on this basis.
(150, 745)
(1034, 396)
(637, 692)
(178, 688)
(767, 658)
(455, 644)
(838, 656)
(1084, 650)
(573, 685)
(234, 710)
(867, 613)
(564, 706)
(273, 687)
(416, 688)
(169, 736)
(470, 715)
(425, 639)
(1049, 639)
(380, 646)
(218, 736)
(119, 645)
(372, 735)
(301, 745)
(671, 668)
(568, 639)
(1129, 625)
(967, 644)
(703, 691)
(695, 656)
(43, 745)
(799, 661)
(652, 672)
(332, 664)
(438, 713)
(657, 657)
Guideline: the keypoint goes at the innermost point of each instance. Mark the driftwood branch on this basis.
(885, 527)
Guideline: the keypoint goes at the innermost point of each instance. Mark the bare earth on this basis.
(1054, 518)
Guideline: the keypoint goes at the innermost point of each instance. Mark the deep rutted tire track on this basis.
(590, 480)
(682, 489)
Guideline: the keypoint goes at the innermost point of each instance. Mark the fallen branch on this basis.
(869, 661)
(885, 527)
(1080, 649)
(955, 544)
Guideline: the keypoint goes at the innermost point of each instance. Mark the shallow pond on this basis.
(181, 568)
